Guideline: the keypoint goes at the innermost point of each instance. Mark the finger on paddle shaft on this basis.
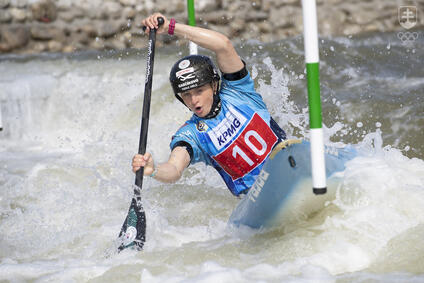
(160, 22)
(133, 231)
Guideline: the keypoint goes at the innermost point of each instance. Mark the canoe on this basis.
(283, 191)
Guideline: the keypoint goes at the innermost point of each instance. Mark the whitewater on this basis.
(71, 126)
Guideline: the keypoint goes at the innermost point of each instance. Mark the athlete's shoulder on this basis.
(186, 123)
(189, 123)
(185, 130)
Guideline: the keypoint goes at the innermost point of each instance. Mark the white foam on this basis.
(66, 184)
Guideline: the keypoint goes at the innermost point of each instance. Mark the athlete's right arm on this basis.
(227, 58)
(168, 172)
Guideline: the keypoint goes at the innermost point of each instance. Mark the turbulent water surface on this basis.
(71, 126)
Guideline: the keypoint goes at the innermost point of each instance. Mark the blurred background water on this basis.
(71, 126)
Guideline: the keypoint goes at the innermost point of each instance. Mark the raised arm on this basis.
(227, 57)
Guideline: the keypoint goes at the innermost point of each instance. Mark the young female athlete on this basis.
(231, 128)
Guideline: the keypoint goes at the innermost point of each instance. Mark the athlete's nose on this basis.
(193, 99)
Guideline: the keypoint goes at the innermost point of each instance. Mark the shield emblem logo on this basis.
(407, 16)
(201, 126)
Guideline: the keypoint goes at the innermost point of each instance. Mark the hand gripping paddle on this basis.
(133, 231)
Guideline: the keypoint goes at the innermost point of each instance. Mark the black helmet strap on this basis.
(216, 106)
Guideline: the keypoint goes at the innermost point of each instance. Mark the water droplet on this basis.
(378, 124)
(359, 124)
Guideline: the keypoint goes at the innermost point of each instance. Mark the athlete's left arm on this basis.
(167, 172)
(227, 58)
(172, 170)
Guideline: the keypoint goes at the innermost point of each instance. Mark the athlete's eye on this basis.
(202, 89)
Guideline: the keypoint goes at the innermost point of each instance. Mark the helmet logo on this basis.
(187, 77)
(185, 74)
(184, 64)
(188, 85)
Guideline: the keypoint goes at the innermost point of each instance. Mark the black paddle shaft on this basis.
(133, 231)
(146, 102)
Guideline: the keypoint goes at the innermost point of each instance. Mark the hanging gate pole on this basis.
(191, 22)
(310, 31)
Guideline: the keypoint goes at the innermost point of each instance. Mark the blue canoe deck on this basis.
(283, 191)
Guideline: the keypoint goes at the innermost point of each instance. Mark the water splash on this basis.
(278, 99)
(66, 179)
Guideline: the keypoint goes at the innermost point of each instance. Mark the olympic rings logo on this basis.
(407, 37)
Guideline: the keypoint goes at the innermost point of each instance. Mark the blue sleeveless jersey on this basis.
(238, 140)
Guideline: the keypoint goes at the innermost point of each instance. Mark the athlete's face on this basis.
(199, 99)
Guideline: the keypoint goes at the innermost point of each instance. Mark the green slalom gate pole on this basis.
(191, 22)
(310, 32)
